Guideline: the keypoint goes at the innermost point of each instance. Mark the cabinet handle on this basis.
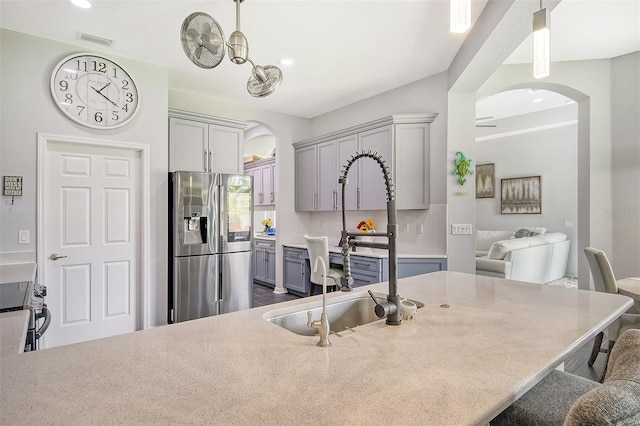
(261, 198)
(272, 198)
(302, 268)
(210, 161)
(358, 198)
(204, 160)
(335, 199)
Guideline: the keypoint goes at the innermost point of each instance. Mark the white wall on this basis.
(548, 153)
(27, 108)
(625, 165)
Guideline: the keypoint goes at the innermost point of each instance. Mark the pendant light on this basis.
(460, 15)
(541, 54)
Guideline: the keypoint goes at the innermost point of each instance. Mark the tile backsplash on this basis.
(419, 231)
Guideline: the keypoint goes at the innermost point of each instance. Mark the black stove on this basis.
(20, 295)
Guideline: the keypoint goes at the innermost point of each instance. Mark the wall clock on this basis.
(94, 91)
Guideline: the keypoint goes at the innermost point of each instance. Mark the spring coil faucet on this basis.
(390, 307)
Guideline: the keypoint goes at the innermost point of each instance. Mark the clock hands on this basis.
(103, 87)
(99, 92)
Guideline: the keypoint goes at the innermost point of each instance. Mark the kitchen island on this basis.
(477, 345)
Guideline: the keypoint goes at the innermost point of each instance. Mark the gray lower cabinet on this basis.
(296, 271)
(264, 262)
(365, 270)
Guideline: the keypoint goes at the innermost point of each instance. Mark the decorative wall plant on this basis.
(463, 167)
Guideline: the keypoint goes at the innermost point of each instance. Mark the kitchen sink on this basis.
(344, 313)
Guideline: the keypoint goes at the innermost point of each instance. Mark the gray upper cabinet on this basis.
(203, 143)
(305, 173)
(403, 142)
(327, 177)
(371, 194)
(264, 188)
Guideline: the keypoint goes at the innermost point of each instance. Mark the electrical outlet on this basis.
(23, 236)
(461, 229)
(406, 227)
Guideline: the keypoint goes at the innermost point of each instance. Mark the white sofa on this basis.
(537, 259)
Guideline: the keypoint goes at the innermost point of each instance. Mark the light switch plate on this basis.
(461, 229)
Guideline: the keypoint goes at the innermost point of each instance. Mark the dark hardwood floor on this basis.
(263, 295)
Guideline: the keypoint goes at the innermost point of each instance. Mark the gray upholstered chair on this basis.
(565, 399)
(605, 281)
(319, 246)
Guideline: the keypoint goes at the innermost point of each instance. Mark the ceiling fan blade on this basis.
(198, 52)
(213, 48)
(193, 34)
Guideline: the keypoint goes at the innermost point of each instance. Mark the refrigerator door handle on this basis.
(213, 218)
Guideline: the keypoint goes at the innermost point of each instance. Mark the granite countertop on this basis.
(373, 252)
(15, 272)
(13, 331)
(458, 365)
(261, 236)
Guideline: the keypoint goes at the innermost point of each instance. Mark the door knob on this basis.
(56, 256)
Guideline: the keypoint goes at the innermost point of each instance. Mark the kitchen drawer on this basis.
(295, 253)
(366, 263)
(265, 244)
(361, 278)
(412, 267)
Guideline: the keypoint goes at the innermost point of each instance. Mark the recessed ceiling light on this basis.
(286, 61)
(538, 100)
(82, 3)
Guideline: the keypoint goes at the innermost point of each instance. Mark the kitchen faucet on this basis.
(389, 308)
(323, 325)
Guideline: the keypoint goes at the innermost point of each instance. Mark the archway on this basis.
(582, 159)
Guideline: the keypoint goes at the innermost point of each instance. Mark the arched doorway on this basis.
(581, 159)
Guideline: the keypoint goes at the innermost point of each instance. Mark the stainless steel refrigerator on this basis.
(210, 259)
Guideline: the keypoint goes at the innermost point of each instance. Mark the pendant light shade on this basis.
(460, 15)
(541, 54)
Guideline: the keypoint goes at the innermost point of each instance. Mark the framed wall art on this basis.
(521, 195)
(485, 181)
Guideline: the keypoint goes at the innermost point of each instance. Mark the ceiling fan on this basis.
(203, 42)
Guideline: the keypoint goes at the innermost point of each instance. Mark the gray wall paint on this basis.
(27, 108)
(592, 84)
(625, 165)
(550, 154)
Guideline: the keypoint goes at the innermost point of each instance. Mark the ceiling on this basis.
(344, 51)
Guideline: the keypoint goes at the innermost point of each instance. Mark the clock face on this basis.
(94, 91)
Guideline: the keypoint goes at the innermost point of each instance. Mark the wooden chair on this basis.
(605, 281)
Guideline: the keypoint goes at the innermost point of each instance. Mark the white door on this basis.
(91, 222)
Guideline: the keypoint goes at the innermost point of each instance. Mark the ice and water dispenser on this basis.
(195, 226)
